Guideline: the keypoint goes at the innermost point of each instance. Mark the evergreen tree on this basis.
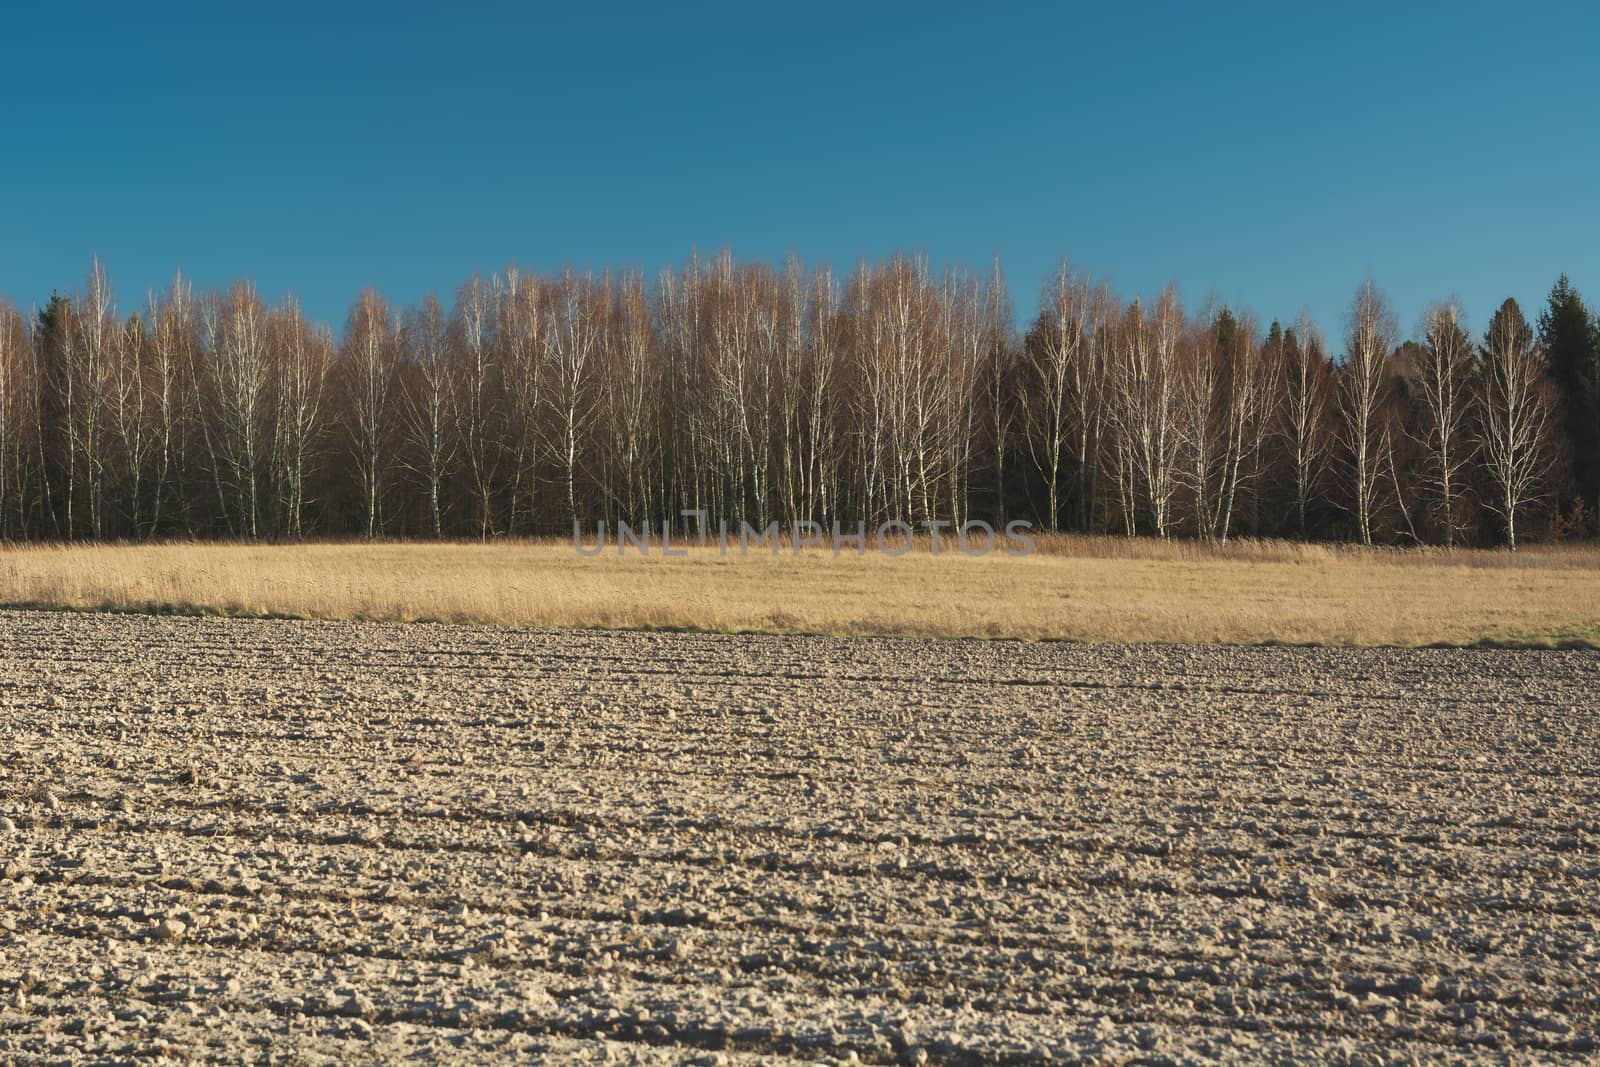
(1571, 343)
(1227, 328)
(1274, 336)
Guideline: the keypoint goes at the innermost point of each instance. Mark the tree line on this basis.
(756, 392)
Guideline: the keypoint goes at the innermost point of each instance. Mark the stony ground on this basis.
(301, 842)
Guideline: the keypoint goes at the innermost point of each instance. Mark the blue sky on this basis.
(1271, 157)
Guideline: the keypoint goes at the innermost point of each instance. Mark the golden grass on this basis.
(1077, 588)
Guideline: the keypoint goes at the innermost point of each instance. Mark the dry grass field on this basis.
(238, 840)
(1086, 589)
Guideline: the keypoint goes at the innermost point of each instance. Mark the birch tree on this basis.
(1517, 409)
(477, 412)
(1144, 384)
(821, 493)
(1199, 389)
(688, 422)
(369, 361)
(174, 337)
(739, 379)
(765, 392)
(1445, 434)
(791, 350)
(427, 404)
(92, 332)
(1307, 407)
(15, 385)
(303, 361)
(1251, 381)
(1370, 338)
(574, 338)
(632, 388)
(132, 415)
(236, 328)
(523, 333)
(997, 385)
(1057, 370)
(962, 338)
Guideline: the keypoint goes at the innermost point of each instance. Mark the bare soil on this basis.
(307, 842)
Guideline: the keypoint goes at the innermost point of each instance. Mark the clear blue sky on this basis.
(1273, 157)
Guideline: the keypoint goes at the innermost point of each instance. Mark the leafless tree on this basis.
(1223, 392)
(961, 339)
(574, 338)
(688, 419)
(1058, 371)
(476, 408)
(369, 361)
(1517, 410)
(1143, 388)
(1306, 416)
(90, 337)
(819, 444)
(752, 392)
(996, 383)
(523, 333)
(303, 361)
(1252, 381)
(236, 335)
(1201, 379)
(632, 394)
(132, 414)
(174, 337)
(1363, 379)
(15, 386)
(1446, 387)
(426, 403)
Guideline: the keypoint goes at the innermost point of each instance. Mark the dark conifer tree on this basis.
(1571, 343)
